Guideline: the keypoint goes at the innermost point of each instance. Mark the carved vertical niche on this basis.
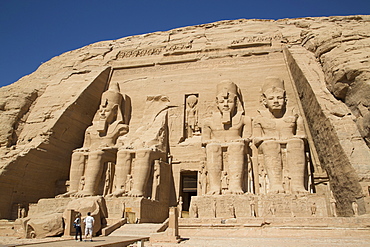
(191, 126)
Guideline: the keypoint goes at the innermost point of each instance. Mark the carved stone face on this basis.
(107, 113)
(226, 103)
(274, 99)
(192, 101)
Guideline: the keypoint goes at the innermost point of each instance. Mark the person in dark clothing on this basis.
(77, 225)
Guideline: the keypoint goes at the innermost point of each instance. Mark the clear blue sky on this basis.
(34, 31)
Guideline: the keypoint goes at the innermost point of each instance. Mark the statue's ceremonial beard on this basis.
(102, 125)
(226, 117)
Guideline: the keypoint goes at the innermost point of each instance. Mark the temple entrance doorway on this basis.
(188, 189)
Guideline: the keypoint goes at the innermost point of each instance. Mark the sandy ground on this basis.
(4, 241)
(232, 241)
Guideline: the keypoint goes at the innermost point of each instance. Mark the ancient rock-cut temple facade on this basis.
(243, 118)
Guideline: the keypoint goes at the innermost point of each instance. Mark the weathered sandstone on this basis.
(324, 63)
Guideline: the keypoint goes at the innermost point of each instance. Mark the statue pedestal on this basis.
(145, 210)
(142, 209)
(46, 217)
(249, 205)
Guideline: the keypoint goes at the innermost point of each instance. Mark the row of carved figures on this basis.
(277, 132)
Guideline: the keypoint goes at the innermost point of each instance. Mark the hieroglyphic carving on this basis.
(257, 38)
(139, 52)
(152, 51)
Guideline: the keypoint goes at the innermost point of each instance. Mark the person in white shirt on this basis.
(77, 225)
(89, 225)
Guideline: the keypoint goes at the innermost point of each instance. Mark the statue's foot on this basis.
(300, 191)
(213, 192)
(81, 194)
(135, 193)
(277, 190)
(117, 193)
(68, 194)
(235, 192)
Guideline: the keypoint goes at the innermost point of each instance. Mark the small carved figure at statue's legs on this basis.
(236, 167)
(123, 168)
(93, 173)
(296, 160)
(77, 171)
(193, 211)
(272, 161)
(214, 168)
(141, 171)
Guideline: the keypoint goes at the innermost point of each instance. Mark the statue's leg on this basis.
(75, 174)
(273, 164)
(141, 171)
(93, 174)
(214, 167)
(123, 168)
(296, 161)
(236, 167)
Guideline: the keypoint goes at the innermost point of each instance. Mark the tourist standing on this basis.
(77, 225)
(89, 224)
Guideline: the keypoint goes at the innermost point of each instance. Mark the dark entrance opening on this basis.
(188, 189)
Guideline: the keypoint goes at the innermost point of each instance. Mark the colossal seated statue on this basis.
(279, 132)
(139, 150)
(99, 145)
(228, 131)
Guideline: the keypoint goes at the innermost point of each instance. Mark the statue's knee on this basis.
(96, 154)
(143, 153)
(213, 148)
(270, 146)
(76, 157)
(295, 144)
(123, 154)
(236, 147)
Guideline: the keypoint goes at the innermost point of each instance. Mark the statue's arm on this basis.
(123, 129)
(87, 141)
(206, 134)
(257, 134)
(300, 133)
(247, 129)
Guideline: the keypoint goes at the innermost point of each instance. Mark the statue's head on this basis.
(110, 107)
(192, 100)
(273, 94)
(227, 99)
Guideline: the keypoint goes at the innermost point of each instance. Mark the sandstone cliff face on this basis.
(44, 115)
(344, 56)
